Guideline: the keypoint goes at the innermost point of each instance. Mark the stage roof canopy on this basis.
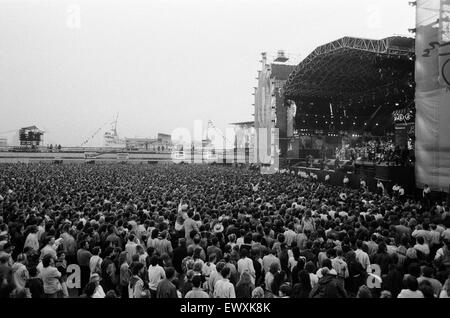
(351, 67)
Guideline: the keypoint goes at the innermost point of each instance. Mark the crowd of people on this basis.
(379, 151)
(203, 231)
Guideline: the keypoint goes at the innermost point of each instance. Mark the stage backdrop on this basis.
(432, 94)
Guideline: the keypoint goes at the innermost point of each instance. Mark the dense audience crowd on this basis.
(193, 231)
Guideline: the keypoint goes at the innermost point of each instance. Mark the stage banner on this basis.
(432, 94)
(444, 44)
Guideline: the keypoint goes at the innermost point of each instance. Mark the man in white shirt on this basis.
(95, 262)
(339, 264)
(289, 235)
(223, 288)
(269, 259)
(214, 277)
(245, 264)
(32, 240)
(362, 256)
(155, 274)
(130, 248)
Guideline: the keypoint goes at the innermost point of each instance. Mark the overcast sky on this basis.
(70, 66)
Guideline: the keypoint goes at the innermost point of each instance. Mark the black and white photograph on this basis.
(230, 156)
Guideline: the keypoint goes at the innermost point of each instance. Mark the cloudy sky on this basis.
(70, 66)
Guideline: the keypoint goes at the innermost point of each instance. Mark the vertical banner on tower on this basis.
(433, 94)
(444, 47)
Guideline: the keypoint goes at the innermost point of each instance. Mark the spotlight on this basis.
(412, 3)
(413, 30)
